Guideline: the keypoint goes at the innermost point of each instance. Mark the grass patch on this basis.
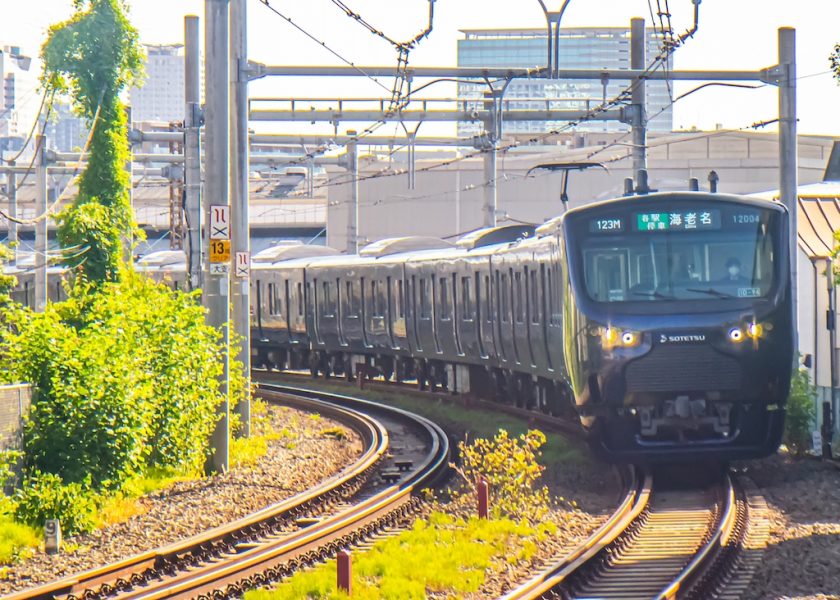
(17, 542)
(334, 432)
(450, 556)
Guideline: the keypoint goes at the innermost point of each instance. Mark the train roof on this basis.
(283, 252)
(707, 196)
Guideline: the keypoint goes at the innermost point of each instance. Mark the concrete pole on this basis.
(239, 197)
(41, 230)
(353, 207)
(216, 193)
(788, 183)
(192, 148)
(491, 198)
(11, 178)
(639, 122)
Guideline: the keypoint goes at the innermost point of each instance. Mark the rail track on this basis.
(663, 542)
(373, 494)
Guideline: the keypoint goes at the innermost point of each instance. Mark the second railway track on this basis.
(404, 453)
(663, 542)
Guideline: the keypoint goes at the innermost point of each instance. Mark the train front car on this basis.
(678, 325)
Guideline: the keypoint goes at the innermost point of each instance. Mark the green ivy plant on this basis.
(94, 56)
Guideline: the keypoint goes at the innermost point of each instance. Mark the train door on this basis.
(258, 311)
(517, 314)
(339, 312)
(365, 312)
(544, 300)
(317, 307)
(435, 310)
(288, 305)
(389, 312)
(502, 318)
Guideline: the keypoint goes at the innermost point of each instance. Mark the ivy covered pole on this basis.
(94, 56)
(216, 203)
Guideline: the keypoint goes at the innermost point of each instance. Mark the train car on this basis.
(678, 324)
(662, 321)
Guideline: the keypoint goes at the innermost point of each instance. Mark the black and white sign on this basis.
(243, 264)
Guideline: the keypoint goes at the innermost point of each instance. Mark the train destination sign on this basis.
(687, 220)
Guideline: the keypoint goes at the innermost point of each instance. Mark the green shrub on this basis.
(801, 412)
(45, 496)
(511, 468)
(17, 541)
(126, 378)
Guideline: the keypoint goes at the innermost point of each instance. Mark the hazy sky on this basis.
(733, 34)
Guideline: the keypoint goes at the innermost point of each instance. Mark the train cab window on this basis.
(535, 296)
(467, 304)
(518, 300)
(445, 304)
(707, 253)
(425, 304)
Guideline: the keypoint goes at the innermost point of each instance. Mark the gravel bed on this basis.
(292, 465)
(802, 559)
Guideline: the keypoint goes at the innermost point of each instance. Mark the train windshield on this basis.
(695, 253)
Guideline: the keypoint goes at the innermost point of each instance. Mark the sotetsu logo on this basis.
(681, 338)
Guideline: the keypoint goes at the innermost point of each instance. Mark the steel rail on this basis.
(690, 581)
(635, 502)
(134, 570)
(276, 559)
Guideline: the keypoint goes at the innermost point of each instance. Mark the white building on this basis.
(19, 100)
(161, 97)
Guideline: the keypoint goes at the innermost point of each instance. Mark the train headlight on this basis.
(736, 335)
(754, 330)
(615, 338)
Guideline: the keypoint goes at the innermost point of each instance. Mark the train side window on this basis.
(504, 300)
(286, 299)
(488, 314)
(467, 306)
(329, 307)
(400, 299)
(425, 305)
(445, 305)
(535, 297)
(300, 298)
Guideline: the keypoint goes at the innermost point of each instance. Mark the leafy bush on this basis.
(510, 467)
(801, 412)
(126, 377)
(45, 496)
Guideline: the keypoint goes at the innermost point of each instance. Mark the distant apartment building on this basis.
(161, 97)
(66, 131)
(19, 100)
(579, 48)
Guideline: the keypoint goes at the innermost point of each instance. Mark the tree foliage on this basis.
(834, 61)
(94, 56)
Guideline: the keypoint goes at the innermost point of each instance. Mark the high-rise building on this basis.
(579, 48)
(66, 131)
(161, 97)
(18, 101)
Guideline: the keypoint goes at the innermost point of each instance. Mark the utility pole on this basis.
(491, 198)
(239, 197)
(41, 225)
(11, 180)
(192, 149)
(829, 409)
(639, 118)
(216, 206)
(352, 158)
(788, 184)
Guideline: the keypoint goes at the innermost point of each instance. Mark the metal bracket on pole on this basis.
(774, 75)
(252, 70)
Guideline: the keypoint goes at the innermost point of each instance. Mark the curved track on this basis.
(273, 543)
(662, 542)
